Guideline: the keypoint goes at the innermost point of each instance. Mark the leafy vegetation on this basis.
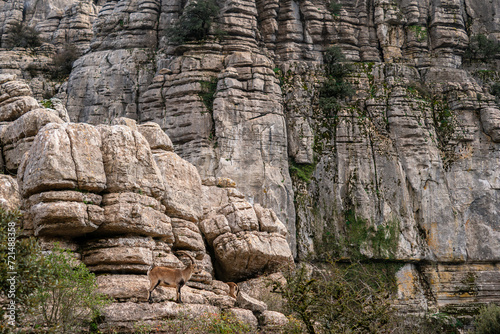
(358, 234)
(488, 320)
(194, 23)
(67, 297)
(52, 292)
(338, 298)
(63, 61)
(207, 93)
(303, 172)
(481, 48)
(26, 253)
(25, 36)
(335, 87)
(47, 104)
(495, 90)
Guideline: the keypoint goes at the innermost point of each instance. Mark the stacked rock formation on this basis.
(121, 195)
(410, 158)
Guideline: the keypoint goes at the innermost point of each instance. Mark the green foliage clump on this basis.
(488, 320)
(334, 7)
(335, 87)
(52, 291)
(25, 36)
(207, 93)
(24, 263)
(194, 23)
(481, 48)
(63, 60)
(47, 104)
(444, 121)
(303, 172)
(349, 298)
(67, 297)
(357, 234)
(419, 31)
(495, 90)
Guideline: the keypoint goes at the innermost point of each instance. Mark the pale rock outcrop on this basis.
(128, 162)
(17, 136)
(241, 246)
(64, 156)
(10, 198)
(182, 186)
(245, 301)
(124, 317)
(272, 320)
(21, 118)
(156, 137)
(119, 254)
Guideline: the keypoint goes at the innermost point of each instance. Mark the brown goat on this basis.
(172, 277)
(233, 289)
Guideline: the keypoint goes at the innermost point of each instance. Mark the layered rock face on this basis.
(128, 202)
(405, 171)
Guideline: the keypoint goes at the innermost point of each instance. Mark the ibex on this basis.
(171, 277)
(233, 289)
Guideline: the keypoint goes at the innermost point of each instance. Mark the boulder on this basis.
(245, 316)
(68, 219)
(17, 136)
(245, 301)
(248, 253)
(187, 235)
(156, 137)
(272, 320)
(268, 221)
(182, 195)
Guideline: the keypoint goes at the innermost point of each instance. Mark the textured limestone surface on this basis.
(409, 162)
(104, 193)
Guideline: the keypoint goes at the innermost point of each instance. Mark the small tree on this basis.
(51, 290)
(488, 320)
(25, 36)
(481, 48)
(63, 60)
(339, 298)
(195, 22)
(68, 297)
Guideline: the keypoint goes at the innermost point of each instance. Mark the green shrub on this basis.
(25, 36)
(63, 60)
(481, 48)
(334, 88)
(194, 23)
(339, 298)
(488, 320)
(68, 298)
(24, 264)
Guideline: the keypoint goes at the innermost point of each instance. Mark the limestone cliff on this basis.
(406, 170)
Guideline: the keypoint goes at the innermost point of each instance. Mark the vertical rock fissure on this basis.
(71, 149)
